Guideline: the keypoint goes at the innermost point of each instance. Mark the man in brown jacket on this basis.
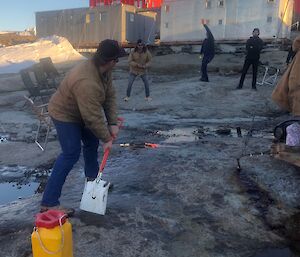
(287, 92)
(139, 61)
(80, 107)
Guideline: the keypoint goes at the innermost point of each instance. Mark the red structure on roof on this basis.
(297, 6)
(137, 3)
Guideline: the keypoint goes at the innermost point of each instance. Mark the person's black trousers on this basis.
(247, 64)
(206, 60)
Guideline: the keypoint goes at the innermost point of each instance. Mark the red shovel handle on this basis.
(107, 151)
(104, 159)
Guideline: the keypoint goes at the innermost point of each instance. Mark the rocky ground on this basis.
(185, 198)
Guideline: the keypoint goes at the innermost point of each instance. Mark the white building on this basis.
(181, 20)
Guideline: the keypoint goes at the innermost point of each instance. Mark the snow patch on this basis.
(15, 58)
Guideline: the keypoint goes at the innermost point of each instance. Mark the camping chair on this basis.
(270, 75)
(45, 122)
(41, 78)
(32, 88)
(49, 68)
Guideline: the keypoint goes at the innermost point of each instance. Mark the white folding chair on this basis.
(270, 76)
(42, 114)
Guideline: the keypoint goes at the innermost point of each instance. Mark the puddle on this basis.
(191, 134)
(286, 252)
(14, 191)
(18, 182)
(180, 135)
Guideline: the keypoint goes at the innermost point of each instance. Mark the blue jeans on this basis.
(131, 80)
(70, 136)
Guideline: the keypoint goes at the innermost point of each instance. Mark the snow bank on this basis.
(6, 32)
(15, 58)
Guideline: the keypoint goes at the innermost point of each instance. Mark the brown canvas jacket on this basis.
(85, 96)
(136, 58)
(287, 92)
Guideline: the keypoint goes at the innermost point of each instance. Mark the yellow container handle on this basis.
(35, 229)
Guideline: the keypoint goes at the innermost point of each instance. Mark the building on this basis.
(228, 19)
(86, 27)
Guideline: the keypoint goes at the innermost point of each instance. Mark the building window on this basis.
(220, 22)
(92, 17)
(269, 19)
(167, 25)
(221, 3)
(102, 16)
(167, 8)
(208, 4)
(87, 18)
(131, 17)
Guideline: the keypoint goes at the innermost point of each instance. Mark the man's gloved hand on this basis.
(114, 131)
(107, 145)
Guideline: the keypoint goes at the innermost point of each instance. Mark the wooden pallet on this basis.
(290, 154)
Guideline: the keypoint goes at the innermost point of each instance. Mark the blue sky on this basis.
(20, 14)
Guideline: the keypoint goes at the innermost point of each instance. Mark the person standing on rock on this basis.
(83, 110)
(139, 61)
(207, 53)
(254, 46)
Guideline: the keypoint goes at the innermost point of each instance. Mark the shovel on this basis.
(94, 197)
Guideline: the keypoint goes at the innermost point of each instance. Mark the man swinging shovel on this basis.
(80, 108)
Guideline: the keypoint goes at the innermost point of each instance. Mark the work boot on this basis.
(126, 99)
(148, 98)
(238, 87)
(69, 211)
(254, 88)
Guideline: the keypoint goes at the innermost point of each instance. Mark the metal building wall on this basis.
(138, 25)
(82, 26)
(88, 26)
(67, 23)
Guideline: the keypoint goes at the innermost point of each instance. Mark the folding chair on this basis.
(42, 114)
(48, 67)
(41, 78)
(270, 75)
(32, 88)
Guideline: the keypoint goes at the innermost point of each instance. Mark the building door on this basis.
(131, 27)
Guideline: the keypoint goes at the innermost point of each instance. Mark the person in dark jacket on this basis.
(208, 53)
(254, 46)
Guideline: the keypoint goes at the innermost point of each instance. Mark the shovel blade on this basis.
(94, 197)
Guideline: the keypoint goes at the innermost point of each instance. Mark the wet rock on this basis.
(223, 131)
(293, 227)
(164, 50)
(187, 49)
